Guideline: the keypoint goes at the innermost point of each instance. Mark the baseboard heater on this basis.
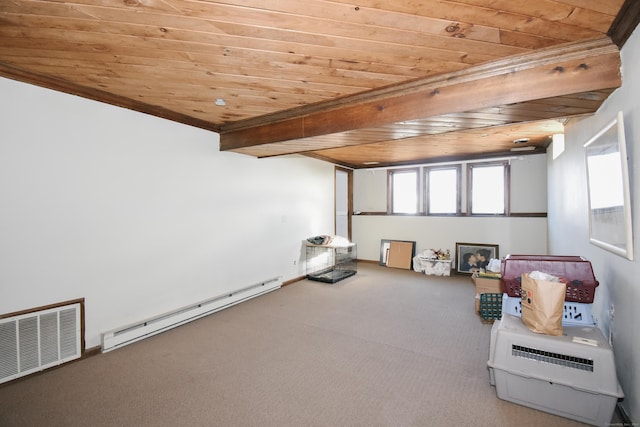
(129, 334)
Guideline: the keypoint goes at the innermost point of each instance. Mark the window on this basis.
(402, 195)
(442, 190)
(488, 188)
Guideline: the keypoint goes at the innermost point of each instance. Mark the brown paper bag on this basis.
(542, 305)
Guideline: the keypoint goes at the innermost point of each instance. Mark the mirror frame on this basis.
(610, 230)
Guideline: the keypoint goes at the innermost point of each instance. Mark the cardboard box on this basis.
(486, 284)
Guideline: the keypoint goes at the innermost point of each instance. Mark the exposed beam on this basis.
(626, 21)
(453, 126)
(567, 69)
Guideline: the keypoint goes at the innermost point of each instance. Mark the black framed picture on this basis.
(472, 257)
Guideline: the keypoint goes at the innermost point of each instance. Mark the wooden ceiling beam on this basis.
(625, 22)
(567, 69)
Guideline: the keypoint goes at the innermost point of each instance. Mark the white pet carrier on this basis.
(572, 375)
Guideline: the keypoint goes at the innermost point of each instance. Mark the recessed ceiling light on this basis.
(528, 148)
(220, 102)
(521, 141)
(370, 163)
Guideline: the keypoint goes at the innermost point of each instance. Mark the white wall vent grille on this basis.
(38, 340)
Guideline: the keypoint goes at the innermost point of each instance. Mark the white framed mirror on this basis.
(608, 189)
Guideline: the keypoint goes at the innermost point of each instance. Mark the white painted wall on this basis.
(140, 215)
(529, 184)
(370, 190)
(513, 234)
(569, 224)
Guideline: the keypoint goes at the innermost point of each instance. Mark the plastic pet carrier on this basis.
(581, 283)
(573, 313)
(572, 375)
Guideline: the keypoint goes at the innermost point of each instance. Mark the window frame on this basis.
(507, 187)
(427, 199)
(390, 174)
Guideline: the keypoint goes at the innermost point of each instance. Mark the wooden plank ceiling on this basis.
(353, 83)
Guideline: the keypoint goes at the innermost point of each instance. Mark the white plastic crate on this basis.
(574, 313)
(572, 375)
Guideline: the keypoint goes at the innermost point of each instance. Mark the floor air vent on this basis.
(37, 340)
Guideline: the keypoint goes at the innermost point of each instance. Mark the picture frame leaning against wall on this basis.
(474, 257)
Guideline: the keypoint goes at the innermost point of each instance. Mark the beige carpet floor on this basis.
(386, 347)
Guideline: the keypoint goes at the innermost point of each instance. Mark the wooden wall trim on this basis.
(462, 215)
(44, 307)
(56, 305)
(294, 280)
(349, 173)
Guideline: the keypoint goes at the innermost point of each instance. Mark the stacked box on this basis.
(572, 375)
(490, 306)
(581, 283)
(486, 284)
